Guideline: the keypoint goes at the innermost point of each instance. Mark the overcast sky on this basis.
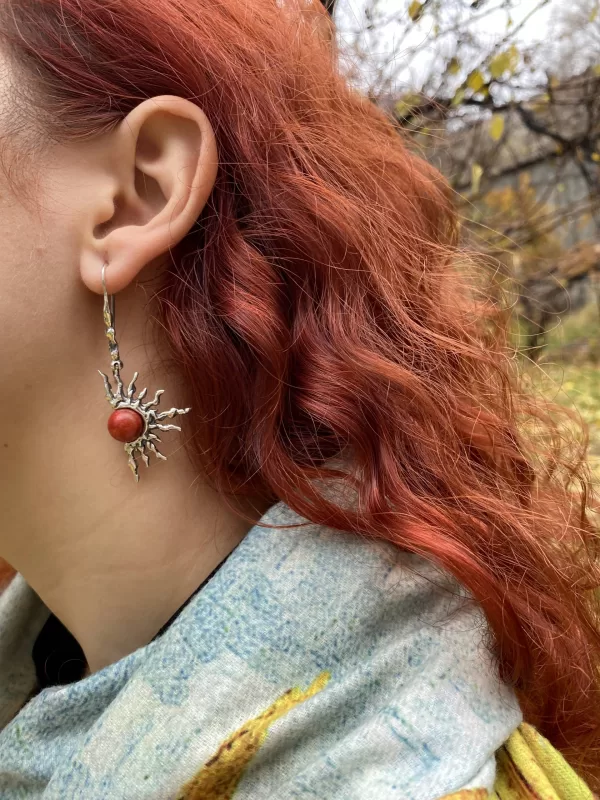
(350, 17)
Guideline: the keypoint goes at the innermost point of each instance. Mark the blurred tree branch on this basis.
(511, 120)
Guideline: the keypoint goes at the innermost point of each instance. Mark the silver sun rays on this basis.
(132, 422)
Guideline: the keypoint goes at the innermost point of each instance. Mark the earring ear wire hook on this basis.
(110, 299)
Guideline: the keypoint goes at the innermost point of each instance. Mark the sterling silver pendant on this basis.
(132, 422)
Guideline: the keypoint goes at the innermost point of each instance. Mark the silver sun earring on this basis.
(132, 421)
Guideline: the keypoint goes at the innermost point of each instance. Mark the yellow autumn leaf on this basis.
(541, 102)
(597, 69)
(595, 157)
(453, 66)
(498, 65)
(476, 174)
(406, 104)
(507, 61)
(593, 13)
(415, 10)
(475, 80)
(497, 127)
(513, 58)
(458, 97)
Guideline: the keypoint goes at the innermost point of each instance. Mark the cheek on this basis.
(18, 289)
(51, 331)
(32, 306)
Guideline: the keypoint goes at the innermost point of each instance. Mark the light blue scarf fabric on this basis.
(314, 664)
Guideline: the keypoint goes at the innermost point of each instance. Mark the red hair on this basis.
(317, 311)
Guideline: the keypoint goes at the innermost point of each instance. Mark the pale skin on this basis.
(113, 559)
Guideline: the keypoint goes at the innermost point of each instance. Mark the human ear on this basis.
(161, 167)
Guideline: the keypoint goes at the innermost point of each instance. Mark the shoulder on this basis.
(388, 658)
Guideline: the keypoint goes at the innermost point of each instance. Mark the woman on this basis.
(355, 575)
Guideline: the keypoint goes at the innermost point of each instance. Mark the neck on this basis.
(112, 559)
(115, 564)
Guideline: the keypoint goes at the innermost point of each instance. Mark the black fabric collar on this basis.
(58, 657)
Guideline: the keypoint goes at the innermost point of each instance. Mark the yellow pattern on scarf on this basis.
(220, 776)
(528, 767)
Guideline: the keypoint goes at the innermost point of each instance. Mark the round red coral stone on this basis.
(125, 425)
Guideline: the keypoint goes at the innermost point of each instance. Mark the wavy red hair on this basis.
(317, 311)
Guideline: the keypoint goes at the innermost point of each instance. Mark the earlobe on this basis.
(164, 156)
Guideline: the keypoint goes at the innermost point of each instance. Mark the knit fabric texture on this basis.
(313, 664)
